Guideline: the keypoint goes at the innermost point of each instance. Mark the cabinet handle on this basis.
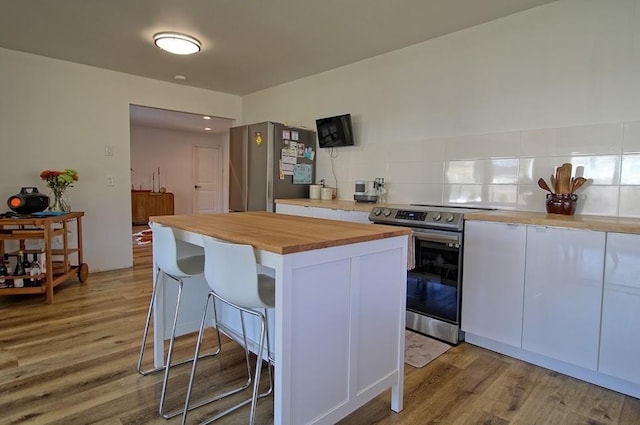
(197, 187)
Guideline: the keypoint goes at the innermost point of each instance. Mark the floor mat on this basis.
(419, 350)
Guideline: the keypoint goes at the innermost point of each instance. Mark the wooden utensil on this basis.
(577, 183)
(543, 185)
(554, 184)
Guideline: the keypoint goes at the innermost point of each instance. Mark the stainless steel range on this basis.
(434, 285)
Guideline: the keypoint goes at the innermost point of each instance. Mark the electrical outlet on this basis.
(108, 150)
(110, 181)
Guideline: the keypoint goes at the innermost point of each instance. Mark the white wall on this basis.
(172, 152)
(477, 116)
(56, 114)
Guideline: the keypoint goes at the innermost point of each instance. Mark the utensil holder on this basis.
(562, 203)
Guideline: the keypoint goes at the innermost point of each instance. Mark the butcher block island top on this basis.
(280, 233)
(585, 222)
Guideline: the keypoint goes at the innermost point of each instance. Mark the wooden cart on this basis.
(58, 262)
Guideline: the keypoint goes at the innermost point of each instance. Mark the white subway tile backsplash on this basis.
(538, 143)
(425, 150)
(415, 172)
(501, 170)
(498, 196)
(414, 193)
(629, 201)
(631, 138)
(589, 139)
(630, 173)
(500, 145)
(531, 198)
(461, 172)
(598, 200)
(603, 169)
(578, 140)
(482, 171)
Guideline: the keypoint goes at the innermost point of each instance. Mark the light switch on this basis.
(110, 181)
(108, 151)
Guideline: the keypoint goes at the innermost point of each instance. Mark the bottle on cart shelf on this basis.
(18, 282)
(43, 263)
(26, 265)
(4, 282)
(36, 280)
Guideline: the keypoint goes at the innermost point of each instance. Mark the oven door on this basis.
(433, 286)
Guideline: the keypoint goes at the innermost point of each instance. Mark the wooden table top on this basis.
(585, 222)
(280, 233)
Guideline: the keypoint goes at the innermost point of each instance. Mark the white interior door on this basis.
(207, 179)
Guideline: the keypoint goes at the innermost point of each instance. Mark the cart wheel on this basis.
(83, 272)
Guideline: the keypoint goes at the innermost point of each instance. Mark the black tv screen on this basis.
(335, 131)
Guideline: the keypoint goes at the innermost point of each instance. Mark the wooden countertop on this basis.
(587, 222)
(335, 204)
(280, 233)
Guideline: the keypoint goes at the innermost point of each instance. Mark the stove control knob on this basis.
(449, 218)
(437, 217)
(376, 211)
(386, 212)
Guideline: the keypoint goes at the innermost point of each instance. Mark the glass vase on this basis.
(59, 202)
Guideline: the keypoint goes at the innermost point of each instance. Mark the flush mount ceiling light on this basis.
(176, 43)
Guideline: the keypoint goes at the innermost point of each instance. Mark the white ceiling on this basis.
(248, 45)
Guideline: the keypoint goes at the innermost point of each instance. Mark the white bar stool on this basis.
(168, 261)
(232, 274)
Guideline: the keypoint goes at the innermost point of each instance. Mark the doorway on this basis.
(172, 152)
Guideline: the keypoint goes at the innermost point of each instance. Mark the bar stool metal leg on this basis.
(146, 332)
(256, 380)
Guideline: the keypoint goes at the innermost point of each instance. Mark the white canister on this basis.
(314, 191)
(327, 193)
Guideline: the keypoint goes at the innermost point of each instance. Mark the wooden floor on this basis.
(73, 362)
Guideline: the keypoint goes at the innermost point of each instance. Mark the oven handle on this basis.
(437, 236)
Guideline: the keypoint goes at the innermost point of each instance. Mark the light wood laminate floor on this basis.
(73, 362)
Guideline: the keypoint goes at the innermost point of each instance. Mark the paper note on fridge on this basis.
(302, 173)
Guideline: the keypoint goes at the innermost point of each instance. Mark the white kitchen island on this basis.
(340, 307)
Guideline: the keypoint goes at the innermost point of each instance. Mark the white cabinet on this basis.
(330, 213)
(356, 216)
(320, 212)
(563, 294)
(294, 210)
(493, 281)
(620, 332)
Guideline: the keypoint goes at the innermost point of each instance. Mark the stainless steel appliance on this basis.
(434, 285)
(262, 159)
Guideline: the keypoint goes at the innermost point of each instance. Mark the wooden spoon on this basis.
(577, 183)
(554, 184)
(543, 185)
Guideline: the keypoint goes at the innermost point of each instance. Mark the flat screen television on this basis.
(335, 131)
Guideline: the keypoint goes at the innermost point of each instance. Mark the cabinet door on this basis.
(140, 207)
(493, 281)
(563, 294)
(620, 330)
(356, 216)
(294, 210)
(330, 213)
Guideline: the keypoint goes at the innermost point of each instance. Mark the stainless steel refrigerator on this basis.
(269, 161)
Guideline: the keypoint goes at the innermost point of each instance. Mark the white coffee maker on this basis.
(365, 191)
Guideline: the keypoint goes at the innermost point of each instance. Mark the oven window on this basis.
(432, 287)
